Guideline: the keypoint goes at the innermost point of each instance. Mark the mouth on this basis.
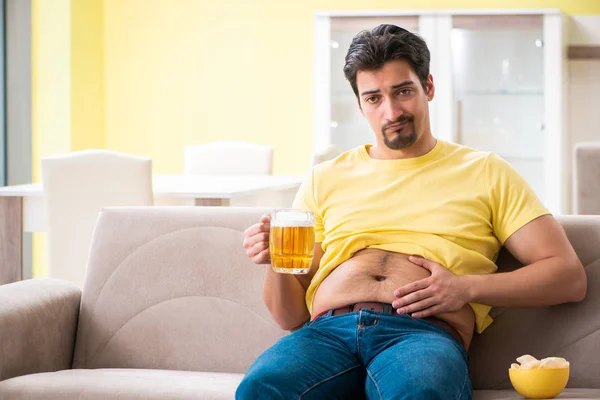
(396, 127)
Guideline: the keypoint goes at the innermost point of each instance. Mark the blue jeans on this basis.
(361, 355)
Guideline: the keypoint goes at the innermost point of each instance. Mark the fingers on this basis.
(262, 258)
(412, 287)
(251, 241)
(428, 312)
(420, 261)
(418, 306)
(257, 232)
(256, 241)
(258, 228)
(412, 298)
(257, 249)
(416, 260)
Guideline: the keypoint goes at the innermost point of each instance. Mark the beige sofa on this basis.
(586, 179)
(171, 309)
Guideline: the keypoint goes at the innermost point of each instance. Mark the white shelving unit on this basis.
(500, 80)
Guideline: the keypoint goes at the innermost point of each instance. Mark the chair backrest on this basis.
(328, 153)
(228, 158)
(586, 179)
(568, 330)
(172, 288)
(76, 186)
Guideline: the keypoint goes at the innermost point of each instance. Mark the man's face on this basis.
(395, 104)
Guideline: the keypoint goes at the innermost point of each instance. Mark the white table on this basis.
(22, 206)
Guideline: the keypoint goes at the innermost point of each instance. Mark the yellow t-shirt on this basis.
(454, 205)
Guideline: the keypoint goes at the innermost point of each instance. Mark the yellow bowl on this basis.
(543, 383)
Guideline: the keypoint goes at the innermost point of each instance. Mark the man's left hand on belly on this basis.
(439, 293)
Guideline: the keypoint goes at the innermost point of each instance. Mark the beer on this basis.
(292, 241)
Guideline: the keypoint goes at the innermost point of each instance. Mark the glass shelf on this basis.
(499, 96)
(539, 93)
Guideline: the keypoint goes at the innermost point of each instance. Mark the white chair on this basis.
(328, 153)
(76, 187)
(228, 158)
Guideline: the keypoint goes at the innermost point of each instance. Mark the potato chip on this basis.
(526, 358)
(553, 362)
(529, 362)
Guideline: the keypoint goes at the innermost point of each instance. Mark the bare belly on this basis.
(373, 275)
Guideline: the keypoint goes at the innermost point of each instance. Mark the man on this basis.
(408, 231)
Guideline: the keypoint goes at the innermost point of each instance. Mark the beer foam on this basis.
(290, 223)
(291, 219)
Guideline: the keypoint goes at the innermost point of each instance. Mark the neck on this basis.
(421, 147)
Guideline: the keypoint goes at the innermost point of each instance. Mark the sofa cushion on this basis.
(125, 384)
(108, 384)
(512, 395)
(172, 288)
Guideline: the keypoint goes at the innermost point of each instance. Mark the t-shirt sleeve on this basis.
(305, 200)
(513, 202)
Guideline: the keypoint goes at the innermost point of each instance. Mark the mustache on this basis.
(400, 120)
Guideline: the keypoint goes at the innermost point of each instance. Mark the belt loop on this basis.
(388, 309)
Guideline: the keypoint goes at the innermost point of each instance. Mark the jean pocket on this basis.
(313, 321)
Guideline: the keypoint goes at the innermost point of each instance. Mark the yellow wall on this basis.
(51, 81)
(87, 75)
(185, 72)
(150, 76)
(67, 84)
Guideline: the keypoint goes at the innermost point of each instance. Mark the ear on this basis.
(430, 88)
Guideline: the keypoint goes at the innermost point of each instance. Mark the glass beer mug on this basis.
(292, 241)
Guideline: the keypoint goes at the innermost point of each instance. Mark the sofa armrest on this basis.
(38, 324)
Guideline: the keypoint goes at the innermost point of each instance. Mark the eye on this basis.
(372, 99)
(404, 92)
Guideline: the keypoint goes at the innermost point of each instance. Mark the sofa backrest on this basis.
(586, 178)
(568, 330)
(172, 288)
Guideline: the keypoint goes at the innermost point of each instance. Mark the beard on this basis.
(404, 137)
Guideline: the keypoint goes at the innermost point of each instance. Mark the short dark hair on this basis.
(370, 50)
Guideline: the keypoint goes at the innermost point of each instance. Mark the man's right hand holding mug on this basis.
(256, 241)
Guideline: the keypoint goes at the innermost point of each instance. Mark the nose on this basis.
(392, 111)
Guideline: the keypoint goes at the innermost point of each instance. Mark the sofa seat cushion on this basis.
(512, 395)
(92, 384)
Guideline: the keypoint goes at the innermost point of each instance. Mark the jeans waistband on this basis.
(387, 308)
